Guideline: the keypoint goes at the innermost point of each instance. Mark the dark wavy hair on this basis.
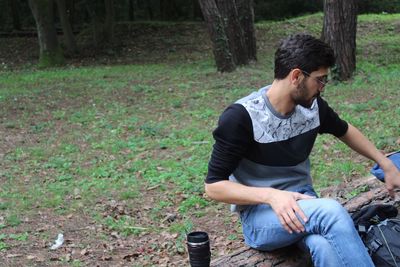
(302, 51)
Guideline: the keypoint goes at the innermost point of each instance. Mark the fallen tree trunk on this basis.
(353, 197)
(285, 257)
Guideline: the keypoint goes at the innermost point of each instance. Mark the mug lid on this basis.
(197, 237)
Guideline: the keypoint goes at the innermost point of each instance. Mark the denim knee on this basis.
(329, 213)
(331, 207)
(262, 229)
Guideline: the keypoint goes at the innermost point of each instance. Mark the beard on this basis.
(302, 97)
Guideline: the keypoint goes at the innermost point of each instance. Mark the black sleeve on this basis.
(330, 122)
(233, 137)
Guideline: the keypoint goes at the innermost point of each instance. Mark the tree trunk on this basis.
(149, 10)
(246, 17)
(66, 26)
(70, 7)
(168, 10)
(196, 11)
(93, 18)
(109, 21)
(15, 14)
(233, 30)
(177, 12)
(215, 25)
(52, 13)
(50, 51)
(290, 256)
(339, 31)
(131, 10)
(163, 9)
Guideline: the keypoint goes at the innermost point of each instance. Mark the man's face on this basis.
(310, 87)
(305, 96)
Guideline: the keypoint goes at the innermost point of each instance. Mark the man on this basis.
(260, 160)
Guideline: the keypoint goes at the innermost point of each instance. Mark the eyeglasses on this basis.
(323, 80)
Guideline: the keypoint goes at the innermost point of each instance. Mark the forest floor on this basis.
(112, 149)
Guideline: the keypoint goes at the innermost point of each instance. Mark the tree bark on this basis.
(290, 256)
(233, 30)
(246, 17)
(339, 31)
(109, 21)
(93, 18)
(149, 10)
(50, 51)
(71, 13)
(215, 26)
(163, 9)
(66, 26)
(15, 14)
(196, 11)
(131, 10)
(168, 10)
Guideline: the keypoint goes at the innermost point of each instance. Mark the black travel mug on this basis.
(198, 245)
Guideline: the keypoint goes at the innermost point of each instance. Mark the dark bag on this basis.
(380, 232)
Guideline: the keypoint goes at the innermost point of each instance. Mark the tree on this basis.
(233, 31)
(131, 10)
(195, 11)
(222, 54)
(246, 17)
(339, 31)
(50, 51)
(149, 9)
(101, 18)
(66, 26)
(109, 20)
(230, 24)
(15, 14)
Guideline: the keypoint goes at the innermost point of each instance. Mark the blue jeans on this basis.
(329, 235)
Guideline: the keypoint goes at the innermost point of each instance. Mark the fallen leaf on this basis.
(131, 256)
(114, 234)
(54, 258)
(13, 255)
(106, 258)
(84, 252)
(68, 257)
(170, 217)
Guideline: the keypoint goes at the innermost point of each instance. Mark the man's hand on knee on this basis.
(284, 204)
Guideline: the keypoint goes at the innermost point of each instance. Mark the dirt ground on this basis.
(85, 242)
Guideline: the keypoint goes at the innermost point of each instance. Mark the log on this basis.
(353, 196)
(286, 257)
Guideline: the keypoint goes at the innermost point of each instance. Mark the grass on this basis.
(137, 133)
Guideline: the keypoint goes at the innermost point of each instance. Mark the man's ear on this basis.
(296, 76)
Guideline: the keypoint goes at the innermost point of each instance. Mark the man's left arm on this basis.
(359, 143)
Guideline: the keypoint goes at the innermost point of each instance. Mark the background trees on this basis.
(215, 24)
(50, 52)
(230, 23)
(66, 26)
(339, 30)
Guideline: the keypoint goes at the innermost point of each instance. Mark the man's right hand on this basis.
(284, 204)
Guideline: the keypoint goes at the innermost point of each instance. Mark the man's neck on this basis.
(280, 98)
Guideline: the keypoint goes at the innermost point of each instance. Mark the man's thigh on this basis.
(263, 230)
